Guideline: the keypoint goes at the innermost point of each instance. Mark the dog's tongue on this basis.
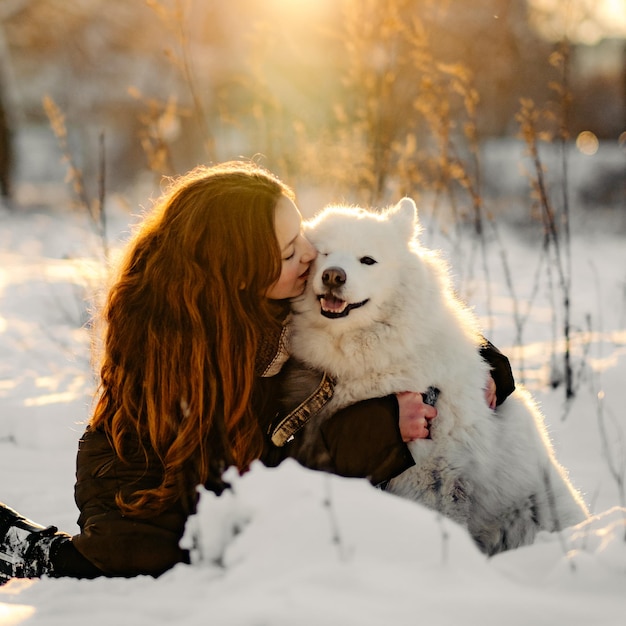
(330, 303)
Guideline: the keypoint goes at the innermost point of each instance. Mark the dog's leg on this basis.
(512, 529)
(437, 486)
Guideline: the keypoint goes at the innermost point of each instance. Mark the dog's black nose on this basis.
(333, 277)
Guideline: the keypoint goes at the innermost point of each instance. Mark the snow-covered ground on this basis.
(293, 547)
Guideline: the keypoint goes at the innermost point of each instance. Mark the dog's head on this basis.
(361, 255)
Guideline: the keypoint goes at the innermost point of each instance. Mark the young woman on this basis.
(193, 341)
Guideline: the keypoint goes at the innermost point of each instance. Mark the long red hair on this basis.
(184, 321)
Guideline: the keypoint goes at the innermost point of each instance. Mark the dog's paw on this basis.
(514, 528)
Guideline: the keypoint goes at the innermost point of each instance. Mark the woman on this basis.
(194, 339)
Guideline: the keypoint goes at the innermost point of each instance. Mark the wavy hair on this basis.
(184, 321)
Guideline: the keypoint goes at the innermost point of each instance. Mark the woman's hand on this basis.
(414, 415)
(490, 393)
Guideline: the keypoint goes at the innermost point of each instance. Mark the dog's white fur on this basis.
(494, 472)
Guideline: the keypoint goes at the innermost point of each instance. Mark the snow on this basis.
(289, 546)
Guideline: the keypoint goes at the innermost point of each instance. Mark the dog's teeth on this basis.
(334, 305)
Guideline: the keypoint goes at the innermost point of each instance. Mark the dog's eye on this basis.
(367, 260)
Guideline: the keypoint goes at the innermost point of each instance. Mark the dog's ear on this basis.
(404, 214)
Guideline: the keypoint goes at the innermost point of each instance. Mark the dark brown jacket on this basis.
(116, 544)
(362, 441)
(124, 546)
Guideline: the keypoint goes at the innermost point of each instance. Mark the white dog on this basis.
(380, 316)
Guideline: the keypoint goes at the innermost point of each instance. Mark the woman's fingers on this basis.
(415, 416)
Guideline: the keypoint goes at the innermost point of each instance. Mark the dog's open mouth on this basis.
(333, 307)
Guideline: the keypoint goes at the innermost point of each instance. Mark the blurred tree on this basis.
(496, 43)
(175, 82)
(85, 54)
(424, 81)
(6, 150)
(8, 101)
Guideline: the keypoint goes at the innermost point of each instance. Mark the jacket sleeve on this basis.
(363, 440)
(116, 544)
(500, 371)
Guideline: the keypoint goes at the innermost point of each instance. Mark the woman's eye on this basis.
(367, 260)
(288, 258)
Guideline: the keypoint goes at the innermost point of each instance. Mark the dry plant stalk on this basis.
(94, 207)
(556, 233)
(175, 20)
(160, 122)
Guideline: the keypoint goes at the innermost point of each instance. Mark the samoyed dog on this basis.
(380, 316)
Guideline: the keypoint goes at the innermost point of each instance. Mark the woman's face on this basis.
(297, 253)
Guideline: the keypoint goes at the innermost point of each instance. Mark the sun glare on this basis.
(14, 614)
(301, 8)
(583, 21)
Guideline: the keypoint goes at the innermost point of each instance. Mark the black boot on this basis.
(26, 548)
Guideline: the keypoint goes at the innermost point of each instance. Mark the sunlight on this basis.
(7, 384)
(301, 8)
(583, 21)
(537, 368)
(80, 270)
(14, 614)
(613, 11)
(51, 398)
(75, 390)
